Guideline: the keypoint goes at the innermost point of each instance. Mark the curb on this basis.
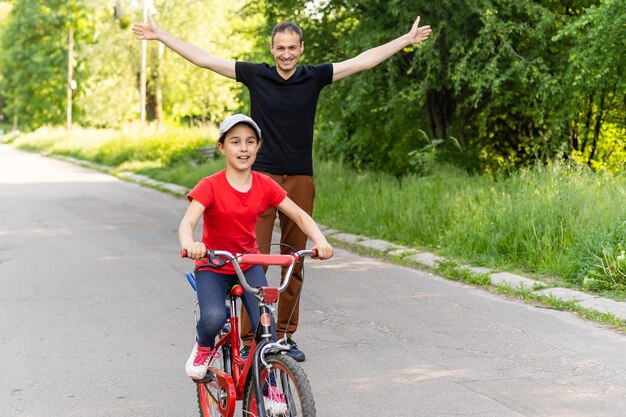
(506, 279)
(176, 189)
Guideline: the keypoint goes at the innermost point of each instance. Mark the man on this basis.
(283, 101)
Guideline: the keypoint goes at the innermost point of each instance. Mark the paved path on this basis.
(96, 320)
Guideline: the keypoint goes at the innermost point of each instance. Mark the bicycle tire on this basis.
(208, 389)
(291, 382)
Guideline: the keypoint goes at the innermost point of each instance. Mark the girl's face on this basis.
(240, 147)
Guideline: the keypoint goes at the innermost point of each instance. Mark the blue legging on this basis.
(211, 291)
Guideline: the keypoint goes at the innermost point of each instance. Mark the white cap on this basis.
(235, 119)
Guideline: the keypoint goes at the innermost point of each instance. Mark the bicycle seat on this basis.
(235, 290)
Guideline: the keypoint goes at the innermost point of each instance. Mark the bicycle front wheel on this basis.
(286, 389)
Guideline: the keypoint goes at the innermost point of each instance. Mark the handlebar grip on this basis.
(314, 253)
(214, 261)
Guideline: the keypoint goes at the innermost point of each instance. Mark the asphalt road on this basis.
(96, 319)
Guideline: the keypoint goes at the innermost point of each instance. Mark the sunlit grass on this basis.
(79, 143)
(555, 220)
(186, 173)
(128, 147)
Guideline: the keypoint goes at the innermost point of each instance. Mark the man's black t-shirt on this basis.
(285, 112)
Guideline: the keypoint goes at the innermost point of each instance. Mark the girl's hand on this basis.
(324, 250)
(195, 250)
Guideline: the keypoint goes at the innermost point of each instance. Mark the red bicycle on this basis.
(269, 382)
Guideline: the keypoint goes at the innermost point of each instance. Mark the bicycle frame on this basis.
(232, 379)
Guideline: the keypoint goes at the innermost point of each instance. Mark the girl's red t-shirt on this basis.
(230, 216)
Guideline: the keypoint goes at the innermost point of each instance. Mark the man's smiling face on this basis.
(286, 48)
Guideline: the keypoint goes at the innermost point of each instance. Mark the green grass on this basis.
(186, 173)
(551, 222)
(132, 148)
(546, 221)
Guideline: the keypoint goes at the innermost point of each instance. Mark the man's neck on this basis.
(285, 75)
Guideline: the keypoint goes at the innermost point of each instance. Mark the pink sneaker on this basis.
(275, 402)
(198, 362)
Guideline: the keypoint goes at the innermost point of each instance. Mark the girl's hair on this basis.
(287, 27)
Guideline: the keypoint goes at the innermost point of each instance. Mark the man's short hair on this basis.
(286, 27)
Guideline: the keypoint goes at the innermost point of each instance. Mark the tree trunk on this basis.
(436, 111)
(587, 125)
(159, 86)
(574, 143)
(596, 130)
(70, 76)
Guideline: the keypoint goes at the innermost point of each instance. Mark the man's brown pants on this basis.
(301, 189)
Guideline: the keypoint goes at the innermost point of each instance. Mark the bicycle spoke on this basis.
(289, 398)
(213, 390)
(207, 400)
(286, 381)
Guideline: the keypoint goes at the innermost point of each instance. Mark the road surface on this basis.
(96, 319)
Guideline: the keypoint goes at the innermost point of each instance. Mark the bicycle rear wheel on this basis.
(209, 391)
(291, 386)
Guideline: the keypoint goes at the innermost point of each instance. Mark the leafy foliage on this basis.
(108, 60)
(34, 58)
(502, 77)
(594, 97)
(222, 28)
(610, 270)
(501, 84)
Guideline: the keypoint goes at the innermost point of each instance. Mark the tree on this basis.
(107, 63)
(110, 60)
(491, 85)
(5, 8)
(34, 62)
(593, 104)
(223, 29)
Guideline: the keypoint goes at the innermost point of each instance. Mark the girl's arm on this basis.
(195, 250)
(308, 226)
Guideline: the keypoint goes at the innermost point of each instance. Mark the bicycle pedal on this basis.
(209, 377)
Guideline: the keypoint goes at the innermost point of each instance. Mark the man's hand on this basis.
(146, 31)
(417, 33)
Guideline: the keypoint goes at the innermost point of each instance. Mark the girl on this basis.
(230, 203)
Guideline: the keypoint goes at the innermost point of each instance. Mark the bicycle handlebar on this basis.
(216, 261)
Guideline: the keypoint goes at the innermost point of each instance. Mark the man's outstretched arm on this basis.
(191, 53)
(372, 57)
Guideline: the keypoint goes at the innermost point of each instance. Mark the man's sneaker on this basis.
(198, 361)
(244, 352)
(275, 404)
(293, 351)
